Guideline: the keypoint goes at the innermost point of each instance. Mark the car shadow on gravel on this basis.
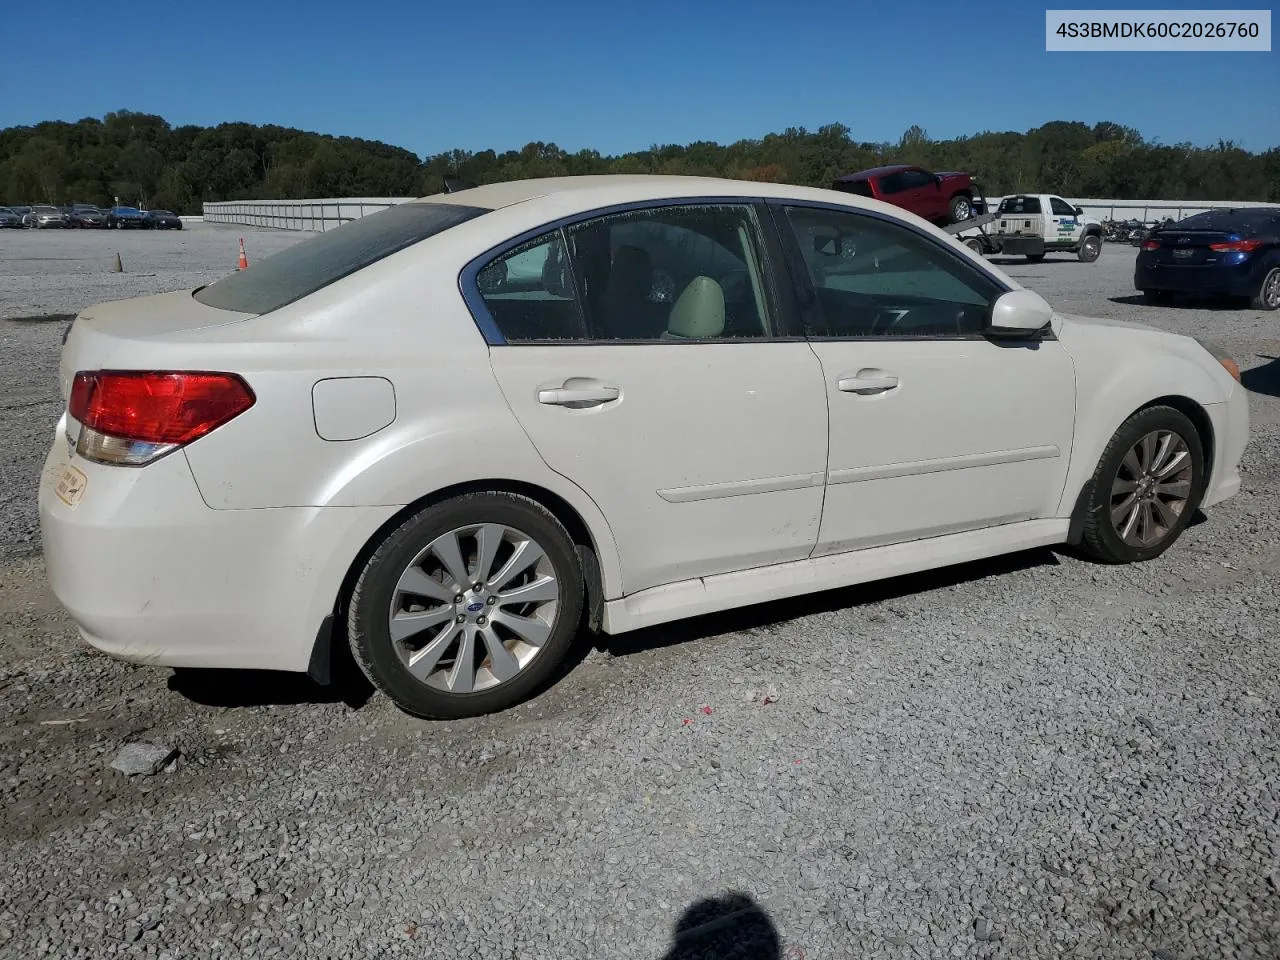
(774, 612)
(1264, 379)
(261, 688)
(720, 928)
(1185, 302)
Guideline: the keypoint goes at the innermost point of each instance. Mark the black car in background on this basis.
(1231, 253)
(10, 219)
(163, 220)
(122, 218)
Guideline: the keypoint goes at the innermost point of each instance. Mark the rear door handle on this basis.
(868, 382)
(578, 392)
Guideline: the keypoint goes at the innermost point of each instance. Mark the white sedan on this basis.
(455, 433)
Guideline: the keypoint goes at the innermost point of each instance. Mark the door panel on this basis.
(934, 429)
(711, 458)
(654, 375)
(969, 435)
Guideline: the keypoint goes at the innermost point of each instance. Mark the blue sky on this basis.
(613, 76)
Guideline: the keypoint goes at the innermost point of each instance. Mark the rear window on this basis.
(1231, 221)
(1020, 205)
(325, 258)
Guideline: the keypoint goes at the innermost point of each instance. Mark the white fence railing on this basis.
(322, 215)
(1148, 210)
(318, 215)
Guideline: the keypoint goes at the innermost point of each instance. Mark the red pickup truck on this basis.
(941, 198)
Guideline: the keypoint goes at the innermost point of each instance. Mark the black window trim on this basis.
(802, 287)
(775, 274)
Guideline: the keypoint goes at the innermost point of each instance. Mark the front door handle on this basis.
(868, 382)
(579, 392)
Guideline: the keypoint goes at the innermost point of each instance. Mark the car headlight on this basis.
(1222, 357)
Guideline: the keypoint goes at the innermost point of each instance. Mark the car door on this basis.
(1065, 227)
(926, 194)
(643, 353)
(935, 429)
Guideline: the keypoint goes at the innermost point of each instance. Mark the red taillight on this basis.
(160, 407)
(1237, 246)
(1150, 244)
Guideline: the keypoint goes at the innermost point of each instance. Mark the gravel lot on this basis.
(1033, 757)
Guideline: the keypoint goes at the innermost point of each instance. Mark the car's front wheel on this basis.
(1146, 488)
(468, 607)
(1090, 249)
(1268, 295)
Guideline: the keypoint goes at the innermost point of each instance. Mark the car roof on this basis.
(600, 190)
(876, 172)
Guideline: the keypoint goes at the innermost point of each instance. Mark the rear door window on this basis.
(308, 266)
(1020, 205)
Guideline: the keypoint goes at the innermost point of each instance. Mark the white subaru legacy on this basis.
(457, 432)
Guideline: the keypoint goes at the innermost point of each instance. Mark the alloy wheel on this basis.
(1151, 488)
(474, 608)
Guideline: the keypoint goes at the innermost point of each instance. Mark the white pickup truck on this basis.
(1035, 224)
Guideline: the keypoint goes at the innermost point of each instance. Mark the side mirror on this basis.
(1079, 211)
(1019, 313)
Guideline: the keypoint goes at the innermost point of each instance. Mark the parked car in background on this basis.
(122, 218)
(452, 433)
(10, 219)
(1231, 253)
(43, 217)
(21, 211)
(941, 198)
(163, 220)
(86, 216)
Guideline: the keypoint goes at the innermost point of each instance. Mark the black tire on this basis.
(1268, 295)
(977, 246)
(1157, 296)
(961, 208)
(1101, 540)
(1090, 248)
(1034, 257)
(368, 627)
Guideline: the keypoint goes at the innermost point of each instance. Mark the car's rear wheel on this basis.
(468, 607)
(1268, 295)
(976, 246)
(1146, 488)
(961, 208)
(1090, 249)
(1035, 257)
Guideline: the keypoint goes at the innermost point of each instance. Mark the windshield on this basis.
(161, 213)
(46, 210)
(126, 209)
(304, 268)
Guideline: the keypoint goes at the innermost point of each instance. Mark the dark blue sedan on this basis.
(1230, 253)
(122, 218)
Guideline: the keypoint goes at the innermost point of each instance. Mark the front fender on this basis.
(1119, 370)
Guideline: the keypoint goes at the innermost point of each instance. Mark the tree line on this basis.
(145, 161)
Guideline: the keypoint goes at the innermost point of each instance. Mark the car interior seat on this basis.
(698, 313)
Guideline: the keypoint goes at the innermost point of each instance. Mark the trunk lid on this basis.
(101, 335)
(1189, 247)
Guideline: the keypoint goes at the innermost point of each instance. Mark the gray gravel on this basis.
(1032, 757)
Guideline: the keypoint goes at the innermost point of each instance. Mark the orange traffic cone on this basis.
(244, 261)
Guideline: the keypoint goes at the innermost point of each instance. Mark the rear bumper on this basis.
(151, 574)
(1234, 280)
